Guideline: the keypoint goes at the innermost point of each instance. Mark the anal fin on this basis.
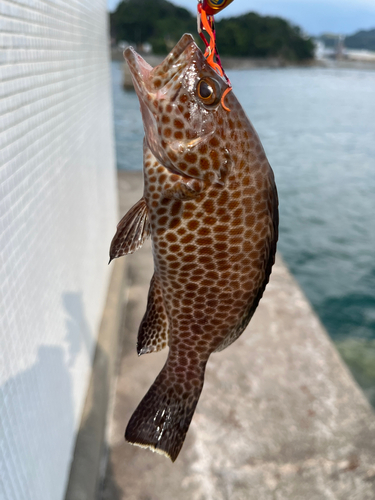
(153, 332)
(132, 230)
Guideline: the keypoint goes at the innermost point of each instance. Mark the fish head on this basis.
(184, 120)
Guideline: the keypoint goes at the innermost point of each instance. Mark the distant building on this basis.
(320, 51)
(146, 48)
(332, 46)
(122, 45)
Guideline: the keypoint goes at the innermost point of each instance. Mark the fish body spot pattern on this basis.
(210, 206)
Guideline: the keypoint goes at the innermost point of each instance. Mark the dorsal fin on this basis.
(153, 332)
(132, 230)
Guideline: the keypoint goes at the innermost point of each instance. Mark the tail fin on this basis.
(162, 418)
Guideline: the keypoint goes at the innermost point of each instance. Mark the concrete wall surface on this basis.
(58, 210)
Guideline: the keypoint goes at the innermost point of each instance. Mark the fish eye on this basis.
(208, 91)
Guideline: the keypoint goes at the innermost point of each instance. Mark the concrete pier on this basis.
(279, 418)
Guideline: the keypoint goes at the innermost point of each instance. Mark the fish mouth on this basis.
(152, 85)
(148, 81)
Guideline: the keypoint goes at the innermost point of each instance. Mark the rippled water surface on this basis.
(318, 129)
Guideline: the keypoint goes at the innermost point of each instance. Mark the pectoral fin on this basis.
(132, 230)
(153, 332)
(183, 188)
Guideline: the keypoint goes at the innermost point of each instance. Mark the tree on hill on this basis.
(253, 35)
(361, 40)
(155, 21)
(161, 23)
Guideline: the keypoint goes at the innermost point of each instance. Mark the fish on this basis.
(210, 206)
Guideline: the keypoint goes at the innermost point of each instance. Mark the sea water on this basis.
(317, 127)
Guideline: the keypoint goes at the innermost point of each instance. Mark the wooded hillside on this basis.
(361, 40)
(161, 24)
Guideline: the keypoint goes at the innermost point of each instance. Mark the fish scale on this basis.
(210, 205)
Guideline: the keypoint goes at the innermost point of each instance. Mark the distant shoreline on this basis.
(246, 63)
(228, 61)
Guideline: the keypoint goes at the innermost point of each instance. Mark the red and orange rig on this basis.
(206, 11)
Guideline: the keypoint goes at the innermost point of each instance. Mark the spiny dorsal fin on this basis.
(153, 332)
(132, 230)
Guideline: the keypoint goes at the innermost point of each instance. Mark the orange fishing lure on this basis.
(206, 11)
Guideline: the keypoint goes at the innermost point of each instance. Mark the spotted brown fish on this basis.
(210, 205)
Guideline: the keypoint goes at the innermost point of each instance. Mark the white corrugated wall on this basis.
(57, 216)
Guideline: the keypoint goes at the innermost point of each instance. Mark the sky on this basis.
(313, 16)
